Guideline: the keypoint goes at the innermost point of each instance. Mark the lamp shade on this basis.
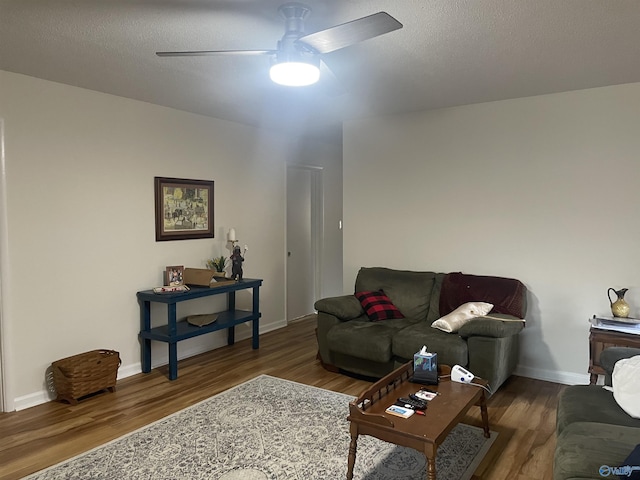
(294, 74)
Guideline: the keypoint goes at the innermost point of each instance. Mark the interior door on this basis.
(302, 240)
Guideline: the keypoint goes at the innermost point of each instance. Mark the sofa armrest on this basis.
(495, 325)
(345, 307)
(611, 355)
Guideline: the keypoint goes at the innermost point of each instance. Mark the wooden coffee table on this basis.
(423, 433)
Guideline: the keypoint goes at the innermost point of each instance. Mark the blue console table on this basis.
(175, 330)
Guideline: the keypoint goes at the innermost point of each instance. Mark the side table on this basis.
(599, 340)
(174, 331)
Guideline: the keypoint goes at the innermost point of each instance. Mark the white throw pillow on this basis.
(626, 385)
(453, 321)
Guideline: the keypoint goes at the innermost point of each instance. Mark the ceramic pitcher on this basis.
(619, 308)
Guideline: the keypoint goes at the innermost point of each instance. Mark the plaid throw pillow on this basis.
(378, 306)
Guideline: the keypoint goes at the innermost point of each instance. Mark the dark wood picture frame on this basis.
(184, 208)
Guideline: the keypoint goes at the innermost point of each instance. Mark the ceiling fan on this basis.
(297, 59)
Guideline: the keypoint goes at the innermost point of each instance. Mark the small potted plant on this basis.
(217, 264)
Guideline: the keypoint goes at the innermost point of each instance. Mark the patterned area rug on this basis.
(266, 429)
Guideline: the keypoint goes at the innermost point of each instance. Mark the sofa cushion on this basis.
(409, 291)
(461, 315)
(611, 355)
(496, 325)
(434, 304)
(451, 348)
(365, 339)
(626, 385)
(584, 448)
(344, 307)
(378, 306)
(590, 403)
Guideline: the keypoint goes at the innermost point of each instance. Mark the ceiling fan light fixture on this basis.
(294, 74)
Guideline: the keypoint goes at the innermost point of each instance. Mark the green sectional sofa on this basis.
(593, 432)
(487, 346)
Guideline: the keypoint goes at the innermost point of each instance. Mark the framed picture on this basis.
(184, 209)
(175, 276)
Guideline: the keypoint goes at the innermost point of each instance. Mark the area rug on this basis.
(265, 429)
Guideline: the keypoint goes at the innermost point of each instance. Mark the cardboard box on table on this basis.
(203, 277)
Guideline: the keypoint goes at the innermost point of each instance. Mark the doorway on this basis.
(304, 234)
(4, 255)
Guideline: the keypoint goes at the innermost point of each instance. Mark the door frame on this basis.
(6, 404)
(317, 229)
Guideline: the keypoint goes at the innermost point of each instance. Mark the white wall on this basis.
(81, 234)
(543, 189)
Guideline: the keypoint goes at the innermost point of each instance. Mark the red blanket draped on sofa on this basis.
(506, 294)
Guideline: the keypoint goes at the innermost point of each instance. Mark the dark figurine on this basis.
(236, 264)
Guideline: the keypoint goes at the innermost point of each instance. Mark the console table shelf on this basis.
(174, 331)
(185, 330)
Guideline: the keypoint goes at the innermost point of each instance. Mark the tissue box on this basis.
(425, 368)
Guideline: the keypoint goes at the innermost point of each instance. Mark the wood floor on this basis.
(522, 411)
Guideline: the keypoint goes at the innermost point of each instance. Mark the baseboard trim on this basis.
(565, 378)
(32, 399)
(44, 396)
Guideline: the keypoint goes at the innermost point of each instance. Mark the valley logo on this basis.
(627, 470)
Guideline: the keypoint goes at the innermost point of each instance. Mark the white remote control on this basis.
(459, 374)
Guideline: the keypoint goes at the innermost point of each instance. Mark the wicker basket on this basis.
(86, 373)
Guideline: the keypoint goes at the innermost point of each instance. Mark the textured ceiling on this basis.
(450, 52)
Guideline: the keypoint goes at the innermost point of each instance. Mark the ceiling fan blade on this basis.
(349, 33)
(215, 52)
